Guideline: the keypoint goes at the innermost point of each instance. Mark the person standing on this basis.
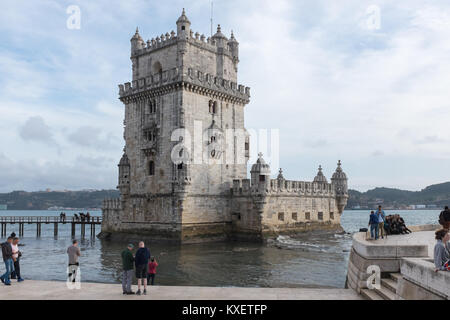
(444, 218)
(141, 262)
(16, 254)
(7, 258)
(381, 217)
(152, 271)
(127, 264)
(441, 255)
(74, 253)
(373, 224)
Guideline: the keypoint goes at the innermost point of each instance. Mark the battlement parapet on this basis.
(191, 77)
(168, 39)
(301, 187)
(283, 187)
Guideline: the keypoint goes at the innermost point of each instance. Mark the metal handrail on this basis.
(47, 219)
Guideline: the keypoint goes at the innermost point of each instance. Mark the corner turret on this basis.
(220, 38)
(124, 175)
(183, 26)
(234, 49)
(320, 176)
(260, 173)
(339, 182)
(137, 42)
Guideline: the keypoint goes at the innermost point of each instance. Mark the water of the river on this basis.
(310, 260)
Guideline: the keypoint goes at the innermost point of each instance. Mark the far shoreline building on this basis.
(179, 80)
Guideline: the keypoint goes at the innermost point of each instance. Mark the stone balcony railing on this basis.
(284, 187)
(193, 78)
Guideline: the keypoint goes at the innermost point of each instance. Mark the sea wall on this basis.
(408, 257)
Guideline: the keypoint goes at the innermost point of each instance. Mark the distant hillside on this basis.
(438, 194)
(21, 200)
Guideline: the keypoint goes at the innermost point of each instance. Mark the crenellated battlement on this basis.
(284, 187)
(168, 39)
(191, 78)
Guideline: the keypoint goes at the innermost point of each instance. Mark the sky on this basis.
(364, 82)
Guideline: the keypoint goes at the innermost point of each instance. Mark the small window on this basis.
(281, 216)
(151, 168)
(183, 28)
(180, 166)
(213, 139)
(262, 178)
(294, 216)
(320, 216)
(247, 147)
(307, 216)
(332, 215)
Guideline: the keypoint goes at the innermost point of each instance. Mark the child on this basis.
(152, 271)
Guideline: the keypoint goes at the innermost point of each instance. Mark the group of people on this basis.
(82, 217)
(144, 264)
(381, 225)
(145, 268)
(11, 257)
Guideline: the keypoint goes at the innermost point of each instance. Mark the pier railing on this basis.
(49, 219)
(55, 220)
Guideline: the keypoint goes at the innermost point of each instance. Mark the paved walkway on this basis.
(416, 238)
(54, 290)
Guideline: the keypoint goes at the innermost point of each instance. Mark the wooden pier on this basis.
(55, 220)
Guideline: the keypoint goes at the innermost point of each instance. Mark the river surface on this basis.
(316, 259)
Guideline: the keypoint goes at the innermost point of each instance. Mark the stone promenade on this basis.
(54, 290)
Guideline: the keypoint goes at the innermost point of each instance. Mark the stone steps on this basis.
(396, 276)
(385, 293)
(370, 294)
(389, 284)
(387, 290)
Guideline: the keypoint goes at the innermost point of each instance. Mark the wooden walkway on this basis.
(55, 220)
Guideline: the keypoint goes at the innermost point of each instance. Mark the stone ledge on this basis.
(422, 273)
(393, 247)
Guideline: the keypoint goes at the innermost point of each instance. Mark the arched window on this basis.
(157, 67)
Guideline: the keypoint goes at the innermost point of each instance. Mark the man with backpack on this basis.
(444, 218)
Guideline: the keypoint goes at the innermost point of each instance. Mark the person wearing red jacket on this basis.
(152, 271)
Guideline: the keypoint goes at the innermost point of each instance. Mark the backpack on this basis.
(441, 218)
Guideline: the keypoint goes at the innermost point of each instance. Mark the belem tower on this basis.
(180, 80)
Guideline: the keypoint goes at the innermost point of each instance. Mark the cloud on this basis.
(88, 136)
(35, 129)
(333, 87)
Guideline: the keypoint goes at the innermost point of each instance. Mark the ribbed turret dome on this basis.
(339, 174)
(232, 39)
(219, 34)
(137, 36)
(320, 176)
(183, 18)
(261, 166)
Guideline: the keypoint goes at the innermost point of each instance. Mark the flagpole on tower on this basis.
(212, 6)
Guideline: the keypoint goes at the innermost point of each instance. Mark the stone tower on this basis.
(184, 133)
(183, 174)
